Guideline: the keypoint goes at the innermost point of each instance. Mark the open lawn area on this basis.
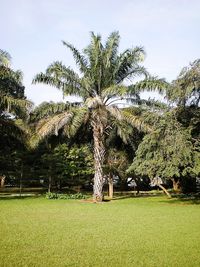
(151, 231)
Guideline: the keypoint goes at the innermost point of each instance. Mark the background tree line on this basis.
(96, 142)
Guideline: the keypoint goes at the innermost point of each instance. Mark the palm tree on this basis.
(12, 100)
(13, 109)
(101, 86)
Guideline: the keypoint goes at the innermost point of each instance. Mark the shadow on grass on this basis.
(13, 197)
(183, 200)
(124, 196)
(192, 199)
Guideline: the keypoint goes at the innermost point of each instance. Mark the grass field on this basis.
(128, 232)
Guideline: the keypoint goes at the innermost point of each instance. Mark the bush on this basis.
(65, 196)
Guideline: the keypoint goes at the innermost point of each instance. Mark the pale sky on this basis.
(32, 30)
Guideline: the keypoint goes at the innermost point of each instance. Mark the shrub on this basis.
(65, 196)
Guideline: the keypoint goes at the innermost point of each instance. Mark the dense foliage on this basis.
(171, 150)
(167, 152)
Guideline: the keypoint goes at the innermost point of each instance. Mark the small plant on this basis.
(65, 196)
(51, 195)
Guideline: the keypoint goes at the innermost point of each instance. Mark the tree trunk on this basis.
(99, 155)
(165, 190)
(20, 179)
(2, 178)
(59, 187)
(176, 185)
(49, 187)
(110, 186)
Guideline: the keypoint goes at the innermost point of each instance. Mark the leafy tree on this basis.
(189, 117)
(75, 164)
(13, 108)
(116, 165)
(185, 93)
(71, 166)
(166, 152)
(101, 85)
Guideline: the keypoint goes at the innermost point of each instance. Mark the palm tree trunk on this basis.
(99, 155)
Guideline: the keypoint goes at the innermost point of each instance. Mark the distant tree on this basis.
(116, 164)
(75, 164)
(71, 166)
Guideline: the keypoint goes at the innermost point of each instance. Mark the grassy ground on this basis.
(128, 232)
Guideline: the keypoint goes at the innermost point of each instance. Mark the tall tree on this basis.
(184, 92)
(101, 85)
(13, 109)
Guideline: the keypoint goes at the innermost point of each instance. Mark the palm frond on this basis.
(81, 61)
(47, 79)
(136, 121)
(153, 104)
(127, 64)
(150, 84)
(80, 117)
(53, 124)
(115, 112)
(111, 48)
(94, 52)
(93, 102)
(114, 91)
(63, 78)
(49, 126)
(60, 71)
(13, 128)
(15, 77)
(10, 104)
(124, 131)
(46, 109)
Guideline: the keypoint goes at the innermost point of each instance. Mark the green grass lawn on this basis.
(128, 232)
